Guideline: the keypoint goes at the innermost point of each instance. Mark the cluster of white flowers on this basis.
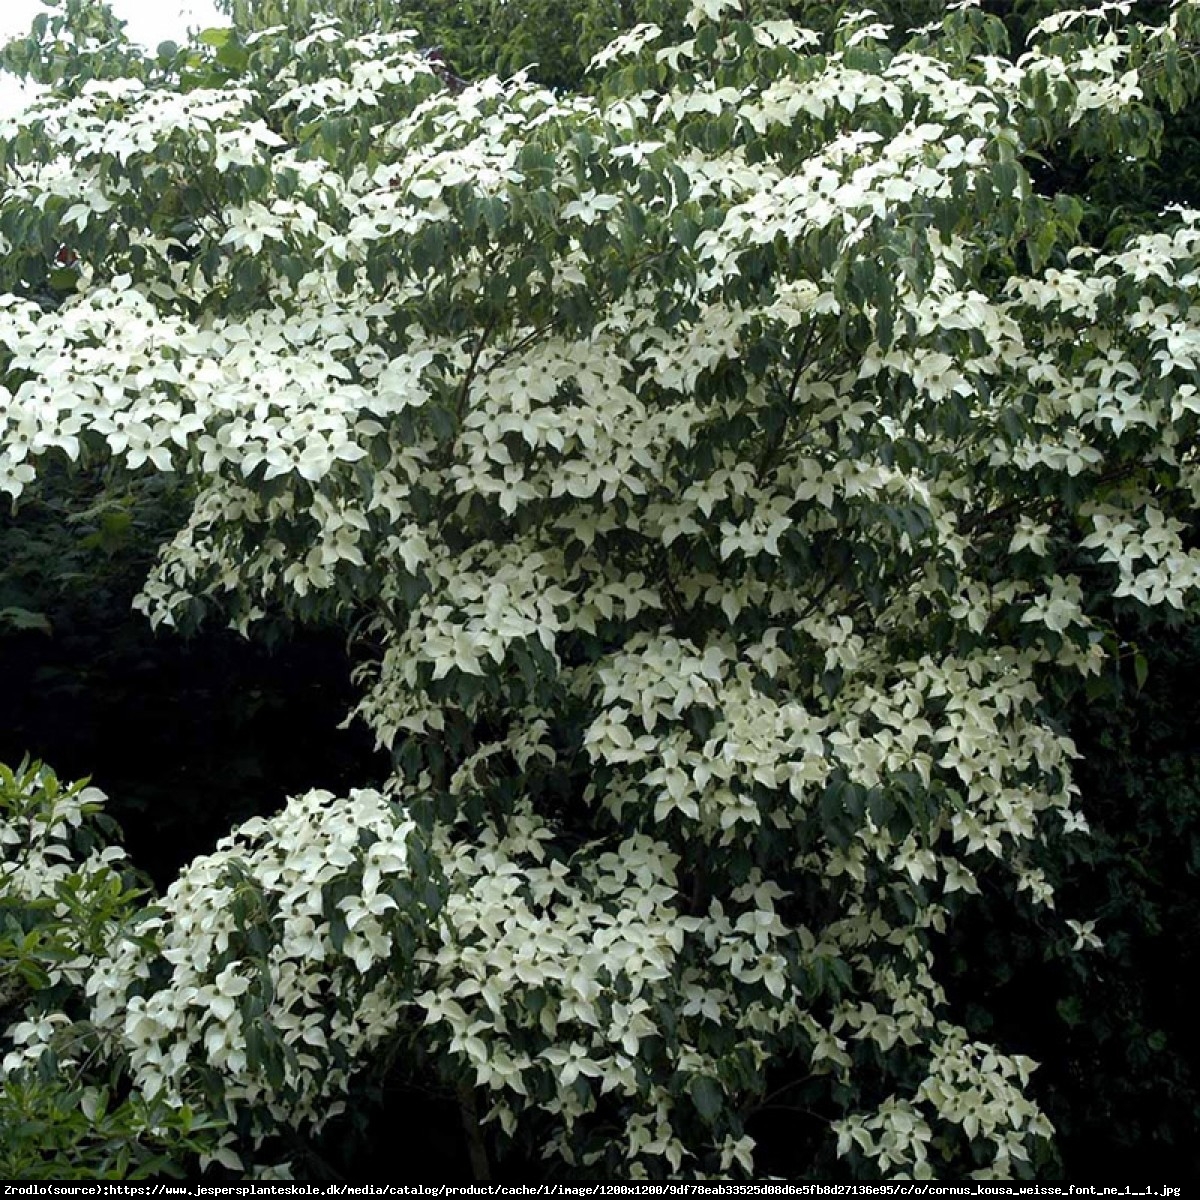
(50, 860)
(969, 1085)
(280, 959)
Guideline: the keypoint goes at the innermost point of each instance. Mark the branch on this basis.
(545, 326)
(473, 365)
(776, 440)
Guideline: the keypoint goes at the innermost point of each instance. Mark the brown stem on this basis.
(481, 1170)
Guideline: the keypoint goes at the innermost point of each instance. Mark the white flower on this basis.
(1085, 939)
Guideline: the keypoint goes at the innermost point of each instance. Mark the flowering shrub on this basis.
(719, 472)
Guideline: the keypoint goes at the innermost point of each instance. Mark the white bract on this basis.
(718, 502)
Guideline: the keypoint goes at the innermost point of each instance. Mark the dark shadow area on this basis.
(1114, 1029)
(187, 738)
(187, 735)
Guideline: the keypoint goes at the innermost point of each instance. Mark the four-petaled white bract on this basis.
(717, 462)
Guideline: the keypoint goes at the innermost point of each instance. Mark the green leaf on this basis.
(707, 1096)
(1141, 670)
(23, 618)
(1070, 1010)
(233, 56)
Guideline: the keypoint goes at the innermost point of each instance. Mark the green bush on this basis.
(67, 896)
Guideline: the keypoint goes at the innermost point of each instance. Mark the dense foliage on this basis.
(732, 477)
(475, 38)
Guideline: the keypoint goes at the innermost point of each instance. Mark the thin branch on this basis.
(545, 326)
(473, 365)
(766, 1100)
(776, 440)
